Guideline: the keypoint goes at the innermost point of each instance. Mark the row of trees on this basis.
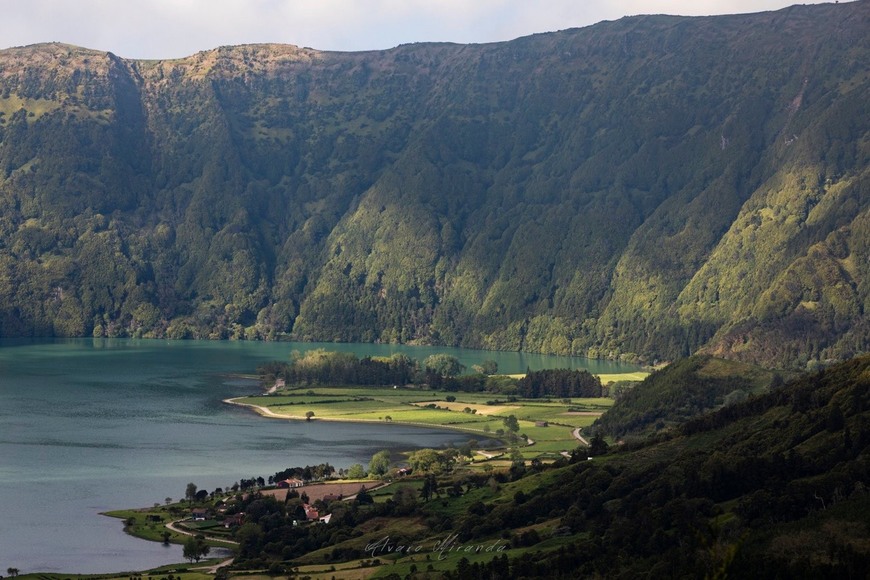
(307, 473)
(322, 367)
(559, 383)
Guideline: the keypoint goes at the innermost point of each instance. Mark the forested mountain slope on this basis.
(682, 391)
(641, 188)
(774, 486)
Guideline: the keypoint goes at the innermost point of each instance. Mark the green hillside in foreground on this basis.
(773, 486)
(682, 391)
(644, 188)
(770, 486)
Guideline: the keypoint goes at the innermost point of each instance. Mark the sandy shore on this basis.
(264, 411)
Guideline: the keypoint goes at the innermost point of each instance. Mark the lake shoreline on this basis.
(170, 419)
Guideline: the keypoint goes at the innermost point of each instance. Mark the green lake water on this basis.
(91, 425)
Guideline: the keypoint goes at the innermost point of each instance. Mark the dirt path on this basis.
(183, 532)
(279, 384)
(488, 454)
(213, 569)
(207, 569)
(578, 437)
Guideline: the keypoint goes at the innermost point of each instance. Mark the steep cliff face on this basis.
(646, 187)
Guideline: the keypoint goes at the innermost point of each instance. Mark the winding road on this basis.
(578, 437)
(207, 569)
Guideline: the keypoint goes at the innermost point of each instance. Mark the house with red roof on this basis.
(292, 482)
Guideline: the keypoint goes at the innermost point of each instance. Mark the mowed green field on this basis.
(481, 414)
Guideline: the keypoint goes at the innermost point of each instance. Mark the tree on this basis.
(426, 490)
(165, 535)
(405, 498)
(836, 420)
(363, 497)
(12, 572)
(250, 537)
(356, 471)
(443, 365)
(380, 463)
(195, 549)
(308, 415)
(487, 367)
(776, 381)
(190, 492)
(511, 423)
(598, 446)
(423, 460)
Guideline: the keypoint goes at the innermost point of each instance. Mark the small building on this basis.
(234, 520)
(291, 483)
(199, 514)
(311, 514)
(325, 519)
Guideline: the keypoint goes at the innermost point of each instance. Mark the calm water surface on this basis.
(91, 425)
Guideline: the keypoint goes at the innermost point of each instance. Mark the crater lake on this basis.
(91, 425)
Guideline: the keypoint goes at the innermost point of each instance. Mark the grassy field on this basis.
(139, 523)
(480, 414)
(614, 377)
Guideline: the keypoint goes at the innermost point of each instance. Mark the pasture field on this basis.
(480, 414)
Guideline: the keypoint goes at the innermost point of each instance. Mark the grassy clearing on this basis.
(614, 377)
(469, 411)
(383, 493)
(607, 377)
(136, 522)
(150, 524)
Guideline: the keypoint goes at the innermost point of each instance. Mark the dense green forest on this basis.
(646, 189)
(770, 486)
(682, 391)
